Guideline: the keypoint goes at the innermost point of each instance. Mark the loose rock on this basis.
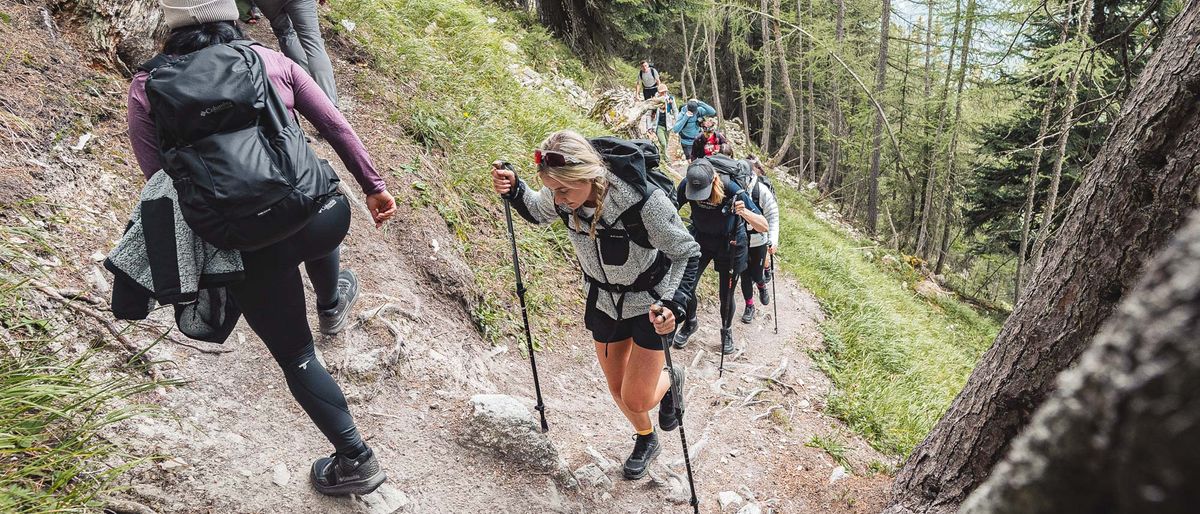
(728, 499)
(280, 475)
(499, 424)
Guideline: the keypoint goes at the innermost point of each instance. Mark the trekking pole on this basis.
(678, 406)
(774, 297)
(537, 386)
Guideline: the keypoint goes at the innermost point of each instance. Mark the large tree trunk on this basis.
(877, 136)
(1085, 18)
(931, 180)
(1038, 149)
(952, 152)
(687, 59)
(1132, 198)
(832, 178)
(765, 136)
(710, 41)
(789, 93)
(812, 109)
(741, 84)
(123, 32)
(1119, 434)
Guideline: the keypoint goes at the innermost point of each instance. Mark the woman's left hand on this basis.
(382, 207)
(739, 207)
(663, 319)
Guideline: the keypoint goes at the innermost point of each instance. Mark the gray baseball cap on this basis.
(699, 180)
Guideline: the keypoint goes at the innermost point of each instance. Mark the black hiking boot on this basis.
(645, 449)
(748, 315)
(681, 336)
(726, 341)
(763, 295)
(338, 475)
(668, 419)
(334, 320)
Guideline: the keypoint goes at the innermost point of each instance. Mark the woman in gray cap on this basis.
(271, 296)
(721, 209)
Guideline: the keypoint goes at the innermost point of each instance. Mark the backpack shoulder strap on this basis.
(635, 228)
(157, 61)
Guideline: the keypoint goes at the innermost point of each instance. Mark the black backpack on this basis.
(636, 163)
(244, 173)
(738, 170)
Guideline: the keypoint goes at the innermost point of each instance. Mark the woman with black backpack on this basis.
(638, 260)
(271, 296)
(721, 209)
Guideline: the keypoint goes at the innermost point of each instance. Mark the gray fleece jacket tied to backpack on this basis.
(160, 259)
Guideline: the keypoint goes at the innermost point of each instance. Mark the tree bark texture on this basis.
(123, 32)
(1119, 433)
(1133, 196)
(877, 136)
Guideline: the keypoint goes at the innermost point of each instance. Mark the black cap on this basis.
(699, 180)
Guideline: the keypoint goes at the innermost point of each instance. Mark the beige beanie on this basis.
(181, 13)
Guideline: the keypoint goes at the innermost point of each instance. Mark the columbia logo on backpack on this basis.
(244, 173)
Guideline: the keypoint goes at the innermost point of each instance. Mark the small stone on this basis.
(348, 25)
(838, 474)
(728, 499)
(280, 475)
(592, 476)
(98, 257)
(386, 500)
(750, 508)
(171, 464)
(804, 404)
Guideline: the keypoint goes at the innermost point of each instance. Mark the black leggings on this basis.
(272, 299)
(753, 276)
(728, 281)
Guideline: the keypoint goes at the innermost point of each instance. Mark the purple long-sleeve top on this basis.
(298, 91)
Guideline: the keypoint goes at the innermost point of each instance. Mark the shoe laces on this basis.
(642, 442)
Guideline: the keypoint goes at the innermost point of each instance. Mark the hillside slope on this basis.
(231, 439)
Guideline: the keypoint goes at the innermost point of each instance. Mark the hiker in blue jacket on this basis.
(688, 124)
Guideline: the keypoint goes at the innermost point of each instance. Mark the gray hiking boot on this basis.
(334, 320)
(681, 336)
(668, 418)
(338, 475)
(645, 449)
(726, 341)
(748, 315)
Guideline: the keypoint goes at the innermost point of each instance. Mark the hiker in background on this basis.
(720, 212)
(648, 79)
(637, 257)
(688, 124)
(271, 296)
(248, 12)
(659, 121)
(710, 141)
(762, 246)
(296, 25)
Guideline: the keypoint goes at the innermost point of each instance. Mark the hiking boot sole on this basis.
(629, 475)
(360, 487)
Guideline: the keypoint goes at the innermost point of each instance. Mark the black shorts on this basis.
(649, 92)
(606, 330)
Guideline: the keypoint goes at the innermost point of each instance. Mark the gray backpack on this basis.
(243, 171)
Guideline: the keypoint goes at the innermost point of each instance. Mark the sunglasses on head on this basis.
(553, 159)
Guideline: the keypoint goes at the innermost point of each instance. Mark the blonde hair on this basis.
(590, 169)
(718, 190)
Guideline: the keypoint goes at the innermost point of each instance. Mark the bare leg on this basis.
(613, 366)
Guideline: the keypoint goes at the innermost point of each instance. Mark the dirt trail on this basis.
(238, 443)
